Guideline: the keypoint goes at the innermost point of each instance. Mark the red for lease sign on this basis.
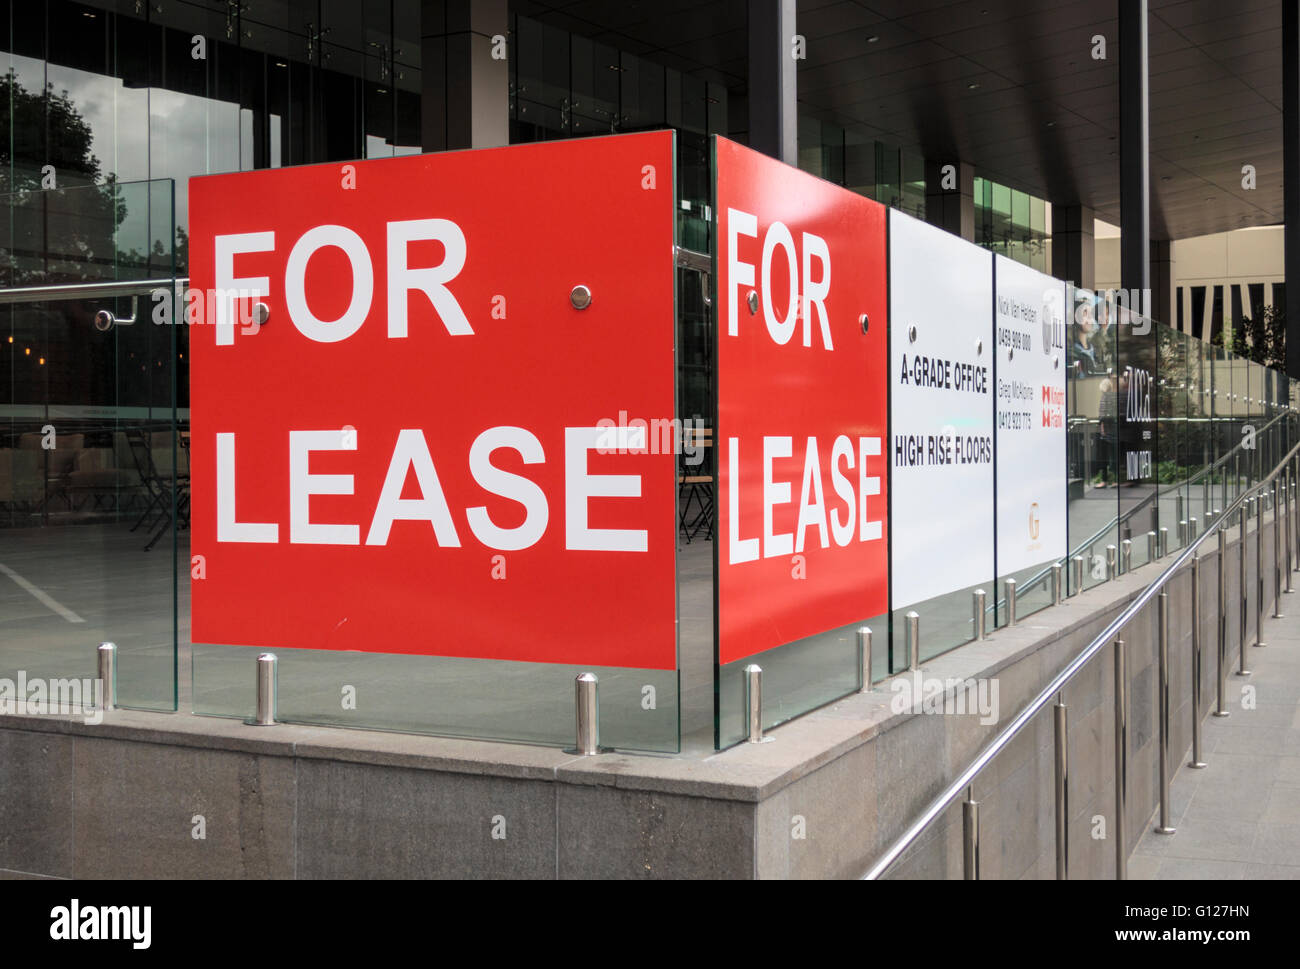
(802, 394)
(413, 453)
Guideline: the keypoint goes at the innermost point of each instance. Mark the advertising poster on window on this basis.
(941, 379)
(802, 533)
(433, 405)
(1029, 343)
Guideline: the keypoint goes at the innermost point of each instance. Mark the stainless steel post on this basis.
(913, 640)
(1182, 532)
(970, 829)
(1062, 790)
(1057, 580)
(1153, 547)
(1126, 556)
(1009, 590)
(1196, 662)
(979, 604)
(1164, 542)
(1077, 564)
(1192, 529)
(1162, 630)
(1112, 556)
(106, 661)
(1121, 761)
(1178, 507)
(1295, 481)
(1259, 570)
(1277, 552)
(864, 658)
(1221, 671)
(1287, 505)
(586, 717)
(267, 668)
(754, 701)
(586, 704)
(1245, 598)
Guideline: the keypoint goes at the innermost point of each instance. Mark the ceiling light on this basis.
(873, 38)
(972, 85)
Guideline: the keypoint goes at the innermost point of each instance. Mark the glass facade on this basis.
(130, 91)
(879, 171)
(1012, 223)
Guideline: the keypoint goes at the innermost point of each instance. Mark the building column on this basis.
(1074, 246)
(1163, 308)
(1291, 179)
(1134, 145)
(950, 197)
(773, 105)
(464, 89)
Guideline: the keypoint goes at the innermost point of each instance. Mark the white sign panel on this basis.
(941, 377)
(1029, 386)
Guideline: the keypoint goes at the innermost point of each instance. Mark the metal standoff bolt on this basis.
(1009, 590)
(864, 658)
(1077, 564)
(1112, 555)
(970, 828)
(1196, 662)
(752, 302)
(1126, 556)
(1058, 575)
(1162, 698)
(580, 297)
(586, 705)
(754, 701)
(267, 677)
(863, 322)
(979, 603)
(913, 640)
(1061, 736)
(106, 656)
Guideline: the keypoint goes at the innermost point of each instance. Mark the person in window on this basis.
(1083, 353)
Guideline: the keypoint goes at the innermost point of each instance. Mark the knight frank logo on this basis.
(1033, 522)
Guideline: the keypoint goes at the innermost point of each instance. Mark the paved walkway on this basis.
(1240, 816)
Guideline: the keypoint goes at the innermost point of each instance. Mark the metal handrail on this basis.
(1039, 578)
(91, 290)
(963, 781)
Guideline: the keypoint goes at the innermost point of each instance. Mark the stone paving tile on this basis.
(1240, 817)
